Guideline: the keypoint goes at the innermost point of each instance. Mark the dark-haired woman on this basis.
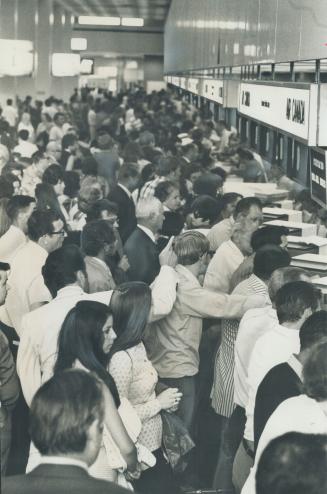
(84, 342)
(136, 379)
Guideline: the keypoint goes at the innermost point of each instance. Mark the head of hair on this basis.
(190, 246)
(267, 259)
(127, 171)
(61, 267)
(313, 330)
(245, 154)
(294, 463)
(147, 207)
(4, 266)
(95, 235)
(130, 304)
(47, 200)
(62, 411)
(294, 298)
(207, 184)
(16, 204)
(269, 234)
(23, 134)
(282, 276)
(146, 139)
(68, 140)
(90, 166)
(72, 184)
(6, 188)
(244, 205)
(88, 195)
(165, 166)
(205, 207)
(41, 223)
(81, 337)
(99, 206)
(9, 101)
(229, 198)
(53, 174)
(57, 116)
(315, 372)
(5, 221)
(164, 189)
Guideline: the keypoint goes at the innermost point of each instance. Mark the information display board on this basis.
(318, 176)
(289, 109)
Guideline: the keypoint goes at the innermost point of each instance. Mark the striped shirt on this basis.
(222, 394)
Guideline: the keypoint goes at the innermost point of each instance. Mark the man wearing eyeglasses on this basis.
(27, 289)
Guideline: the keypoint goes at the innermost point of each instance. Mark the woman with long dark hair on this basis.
(84, 341)
(136, 379)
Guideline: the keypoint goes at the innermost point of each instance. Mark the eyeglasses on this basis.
(61, 232)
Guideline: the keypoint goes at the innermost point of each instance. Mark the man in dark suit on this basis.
(66, 425)
(140, 248)
(128, 179)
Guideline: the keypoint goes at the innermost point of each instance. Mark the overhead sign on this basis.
(175, 81)
(193, 85)
(290, 109)
(182, 82)
(318, 176)
(213, 90)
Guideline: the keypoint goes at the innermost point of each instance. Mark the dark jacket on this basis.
(58, 479)
(143, 257)
(279, 384)
(126, 212)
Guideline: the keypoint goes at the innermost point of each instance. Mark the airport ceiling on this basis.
(154, 12)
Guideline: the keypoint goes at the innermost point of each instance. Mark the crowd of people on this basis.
(153, 334)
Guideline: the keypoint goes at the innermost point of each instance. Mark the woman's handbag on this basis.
(177, 441)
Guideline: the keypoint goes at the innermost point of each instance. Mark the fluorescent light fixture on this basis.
(131, 65)
(92, 20)
(65, 64)
(17, 57)
(132, 21)
(107, 71)
(78, 44)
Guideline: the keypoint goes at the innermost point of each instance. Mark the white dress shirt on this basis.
(222, 266)
(273, 348)
(25, 282)
(25, 149)
(253, 325)
(10, 114)
(10, 243)
(297, 414)
(40, 328)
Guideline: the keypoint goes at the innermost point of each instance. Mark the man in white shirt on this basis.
(19, 209)
(10, 114)
(173, 342)
(57, 132)
(65, 277)
(27, 290)
(25, 148)
(295, 302)
(227, 259)
(248, 212)
(253, 325)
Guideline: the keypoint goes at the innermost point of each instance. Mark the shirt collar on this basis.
(183, 271)
(148, 232)
(296, 365)
(69, 290)
(62, 460)
(125, 190)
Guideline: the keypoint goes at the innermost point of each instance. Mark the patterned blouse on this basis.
(136, 379)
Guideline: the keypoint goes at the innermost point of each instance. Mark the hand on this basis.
(169, 398)
(173, 409)
(167, 256)
(123, 263)
(130, 476)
